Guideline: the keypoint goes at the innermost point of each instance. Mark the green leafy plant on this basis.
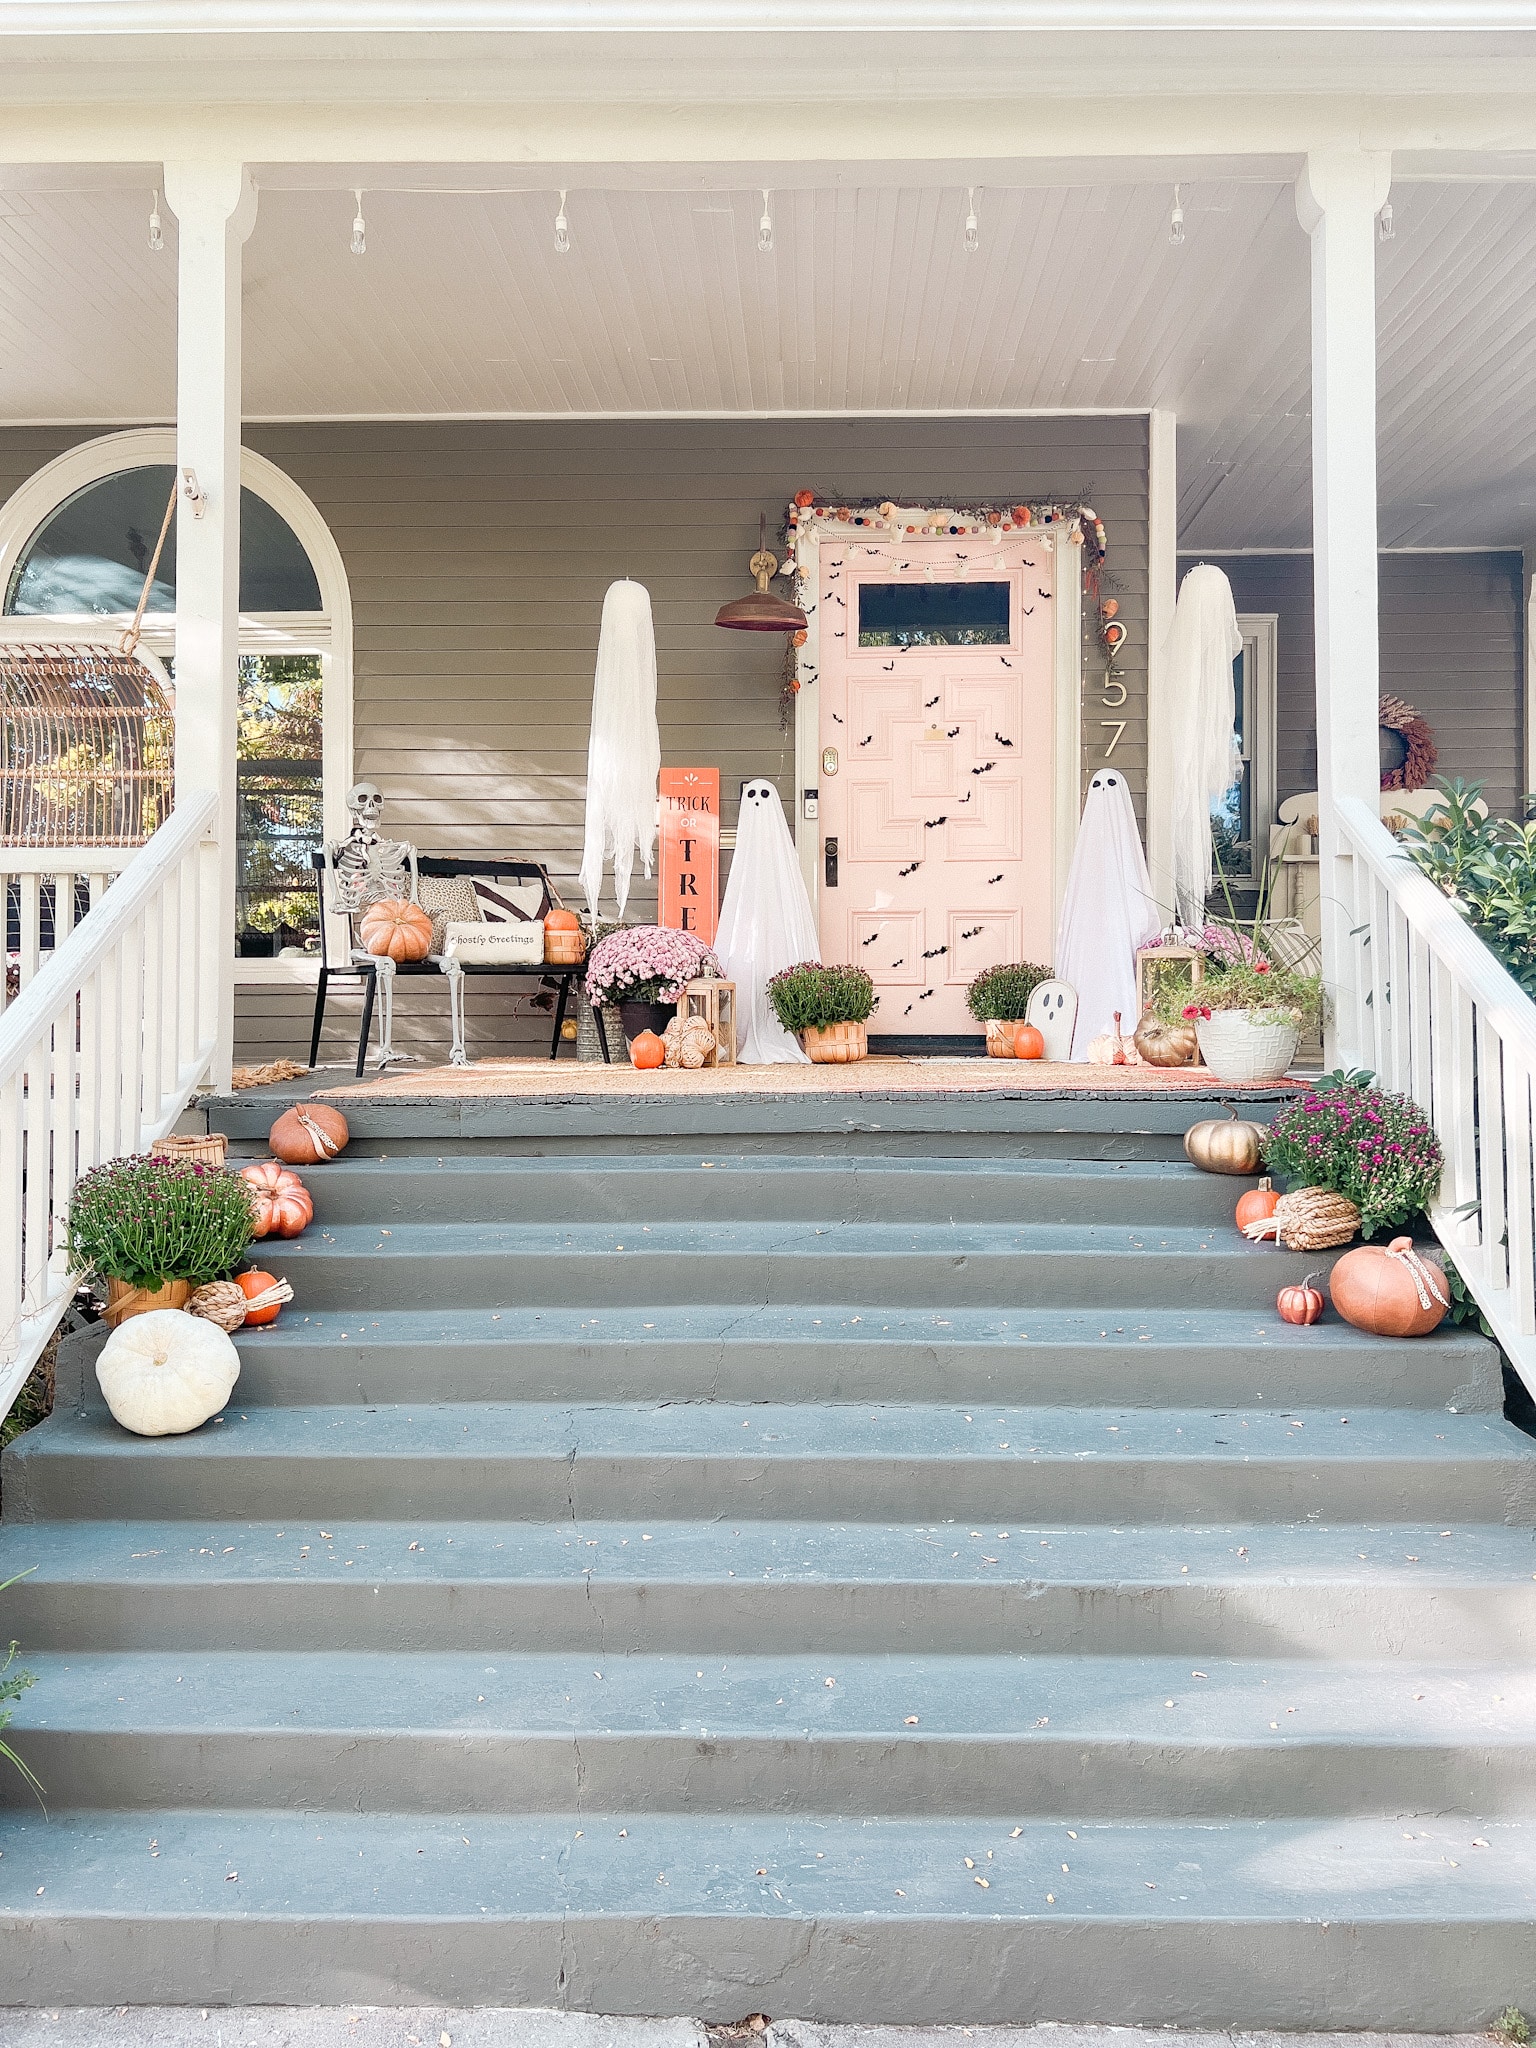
(1512, 2025)
(810, 997)
(1004, 992)
(1259, 985)
(1374, 1148)
(1487, 868)
(147, 1221)
(13, 1683)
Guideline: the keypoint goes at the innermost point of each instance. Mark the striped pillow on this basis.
(510, 899)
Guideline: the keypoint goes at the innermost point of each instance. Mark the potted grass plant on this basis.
(999, 999)
(155, 1229)
(827, 1009)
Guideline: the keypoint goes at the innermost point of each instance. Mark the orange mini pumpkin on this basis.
(1028, 1043)
(254, 1285)
(647, 1050)
(1390, 1291)
(308, 1134)
(396, 930)
(561, 921)
(1258, 1203)
(281, 1200)
(1301, 1304)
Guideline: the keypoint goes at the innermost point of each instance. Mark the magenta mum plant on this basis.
(1374, 1148)
(645, 963)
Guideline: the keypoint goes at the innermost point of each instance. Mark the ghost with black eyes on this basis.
(1106, 913)
(766, 923)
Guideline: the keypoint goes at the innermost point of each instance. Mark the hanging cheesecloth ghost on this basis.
(766, 924)
(1200, 721)
(1106, 913)
(624, 751)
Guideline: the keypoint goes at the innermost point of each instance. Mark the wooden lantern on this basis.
(1180, 961)
(715, 1002)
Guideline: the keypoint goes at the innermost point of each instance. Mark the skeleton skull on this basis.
(365, 802)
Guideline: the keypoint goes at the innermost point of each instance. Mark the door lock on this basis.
(829, 852)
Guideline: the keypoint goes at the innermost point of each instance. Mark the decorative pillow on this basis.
(510, 899)
(445, 897)
(503, 945)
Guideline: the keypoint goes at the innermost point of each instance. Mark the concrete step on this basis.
(1102, 1738)
(693, 1187)
(1452, 1590)
(1370, 1922)
(779, 1462)
(823, 1351)
(352, 1266)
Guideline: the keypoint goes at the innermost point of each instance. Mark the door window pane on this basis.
(933, 614)
(1232, 813)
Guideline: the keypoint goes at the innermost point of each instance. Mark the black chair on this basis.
(360, 966)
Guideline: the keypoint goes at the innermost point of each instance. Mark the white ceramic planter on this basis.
(1246, 1045)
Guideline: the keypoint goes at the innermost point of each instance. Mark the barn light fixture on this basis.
(760, 611)
(1386, 229)
(765, 228)
(359, 242)
(562, 230)
(972, 227)
(1176, 221)
(156, 232)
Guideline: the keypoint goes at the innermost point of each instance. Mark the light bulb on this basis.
(972, 228)
(359, 244)
(562, 230)
(1176, 221)
(1386, 229)
(156, 233)
(765, 229)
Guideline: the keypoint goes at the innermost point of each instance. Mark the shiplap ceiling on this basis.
(868, 301)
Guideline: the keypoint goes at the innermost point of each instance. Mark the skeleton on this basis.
(366, 868)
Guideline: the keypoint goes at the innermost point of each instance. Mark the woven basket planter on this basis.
(124, 1299)
(1000, 1032)
(1244, 1045)
(835, 1044)
(212, 1148)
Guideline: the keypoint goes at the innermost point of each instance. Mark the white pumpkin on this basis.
(166, 1372)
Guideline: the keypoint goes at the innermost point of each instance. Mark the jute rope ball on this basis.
(1308, 1220)
(221, 1302)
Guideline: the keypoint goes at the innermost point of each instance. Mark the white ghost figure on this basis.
(624, 750)
(1053, 1012)
(1106, 913)
(766, 924)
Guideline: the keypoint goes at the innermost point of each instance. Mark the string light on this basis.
(1386, 229)
(562, 230)
(359, 243)
(765, 228)
(972, 229)
(1176, 221)
(156, 232)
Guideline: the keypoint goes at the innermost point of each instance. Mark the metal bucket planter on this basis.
(1247, 1045)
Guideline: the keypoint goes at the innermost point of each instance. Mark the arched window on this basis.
(75, 545)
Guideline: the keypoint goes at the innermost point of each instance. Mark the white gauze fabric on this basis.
(1200, 721)
(624, 751)
(766, 925)
(1106, 913)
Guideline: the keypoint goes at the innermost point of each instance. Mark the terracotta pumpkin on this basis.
(1166, 1045)
(1390, 1290)
(1258, 1203)
(396, 930)
(255, 1286)
(308, 1134)
(1028, 1043)
(282, 1202)
(561, 921)
(1301, 1304)
(1230, 1147)
(647, 1050)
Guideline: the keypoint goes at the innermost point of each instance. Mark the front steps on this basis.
(714, 1571)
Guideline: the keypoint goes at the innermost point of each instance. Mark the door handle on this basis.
(829, 855)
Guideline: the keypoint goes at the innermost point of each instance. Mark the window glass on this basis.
(92, 553)
(933, 614)
(278, 804)
(1232, 812)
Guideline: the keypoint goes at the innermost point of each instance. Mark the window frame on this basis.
(1260, 631)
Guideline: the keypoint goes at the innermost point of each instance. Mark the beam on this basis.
(1338, 196)
(215, 206)
(1162, 592)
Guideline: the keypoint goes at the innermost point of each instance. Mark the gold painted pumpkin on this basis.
(1230, 1147)
(396, 930)
(1166, 1045)
(1390, 1290)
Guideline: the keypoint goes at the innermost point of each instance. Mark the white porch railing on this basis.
(1442, 1021)
(102, 1045)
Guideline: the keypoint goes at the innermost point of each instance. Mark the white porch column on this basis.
(1338, 196)
(215, 208)
(1162, 595)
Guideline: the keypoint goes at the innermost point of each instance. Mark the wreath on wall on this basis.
(1408, 752)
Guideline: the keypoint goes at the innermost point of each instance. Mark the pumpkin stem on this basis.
(1309, 1279)
(1266, 1186)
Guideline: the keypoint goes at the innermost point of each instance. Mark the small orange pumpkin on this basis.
(308, 1134)
(1028, 1043)
(1301, 1304)
(281, 1200)
(647, 1050)
(1391, 1291)
(561, 921)
(254, 1284)
(396, 930)
(1258, 1203)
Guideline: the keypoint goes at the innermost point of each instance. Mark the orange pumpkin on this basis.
(647, 1050)
(1390, 1291)
(254, 1284)
(1258, 1203)
(396, 930)
(1301, 1304)
(1028, 1043)
(308, 1134)
(280, 1199)
(561, 921)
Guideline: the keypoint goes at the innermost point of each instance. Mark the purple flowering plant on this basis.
(1375, 1149)
(147, 1221)
(645, 963)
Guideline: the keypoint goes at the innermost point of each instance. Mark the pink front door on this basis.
(936, 735)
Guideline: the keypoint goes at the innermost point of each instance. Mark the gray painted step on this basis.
(1106, 1738)
(1366, 1921)
(1450, 1590)
(704, 1188)
(350, 1266)
(779, 1462)
(820, 1351)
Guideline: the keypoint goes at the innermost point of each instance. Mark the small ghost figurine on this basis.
(1053, 1012)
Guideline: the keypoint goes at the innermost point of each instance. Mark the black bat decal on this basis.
(1003, 657)
(837, 636)
(929, 823)
(933, 952)
(887, 666)
(962, 558)
(968, 795)
(1045, 594)
(985, 768)
(1001, 741)
(993, 878)
(837, 600)
(872, 937)
(911, 870)
(866, 739)
(975, 928)
(927, 992)
(953, 730)
(907, 1011)
(929, 702)
(835, 719)
(897, 963)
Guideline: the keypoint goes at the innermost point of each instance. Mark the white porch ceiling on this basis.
(868, 302)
